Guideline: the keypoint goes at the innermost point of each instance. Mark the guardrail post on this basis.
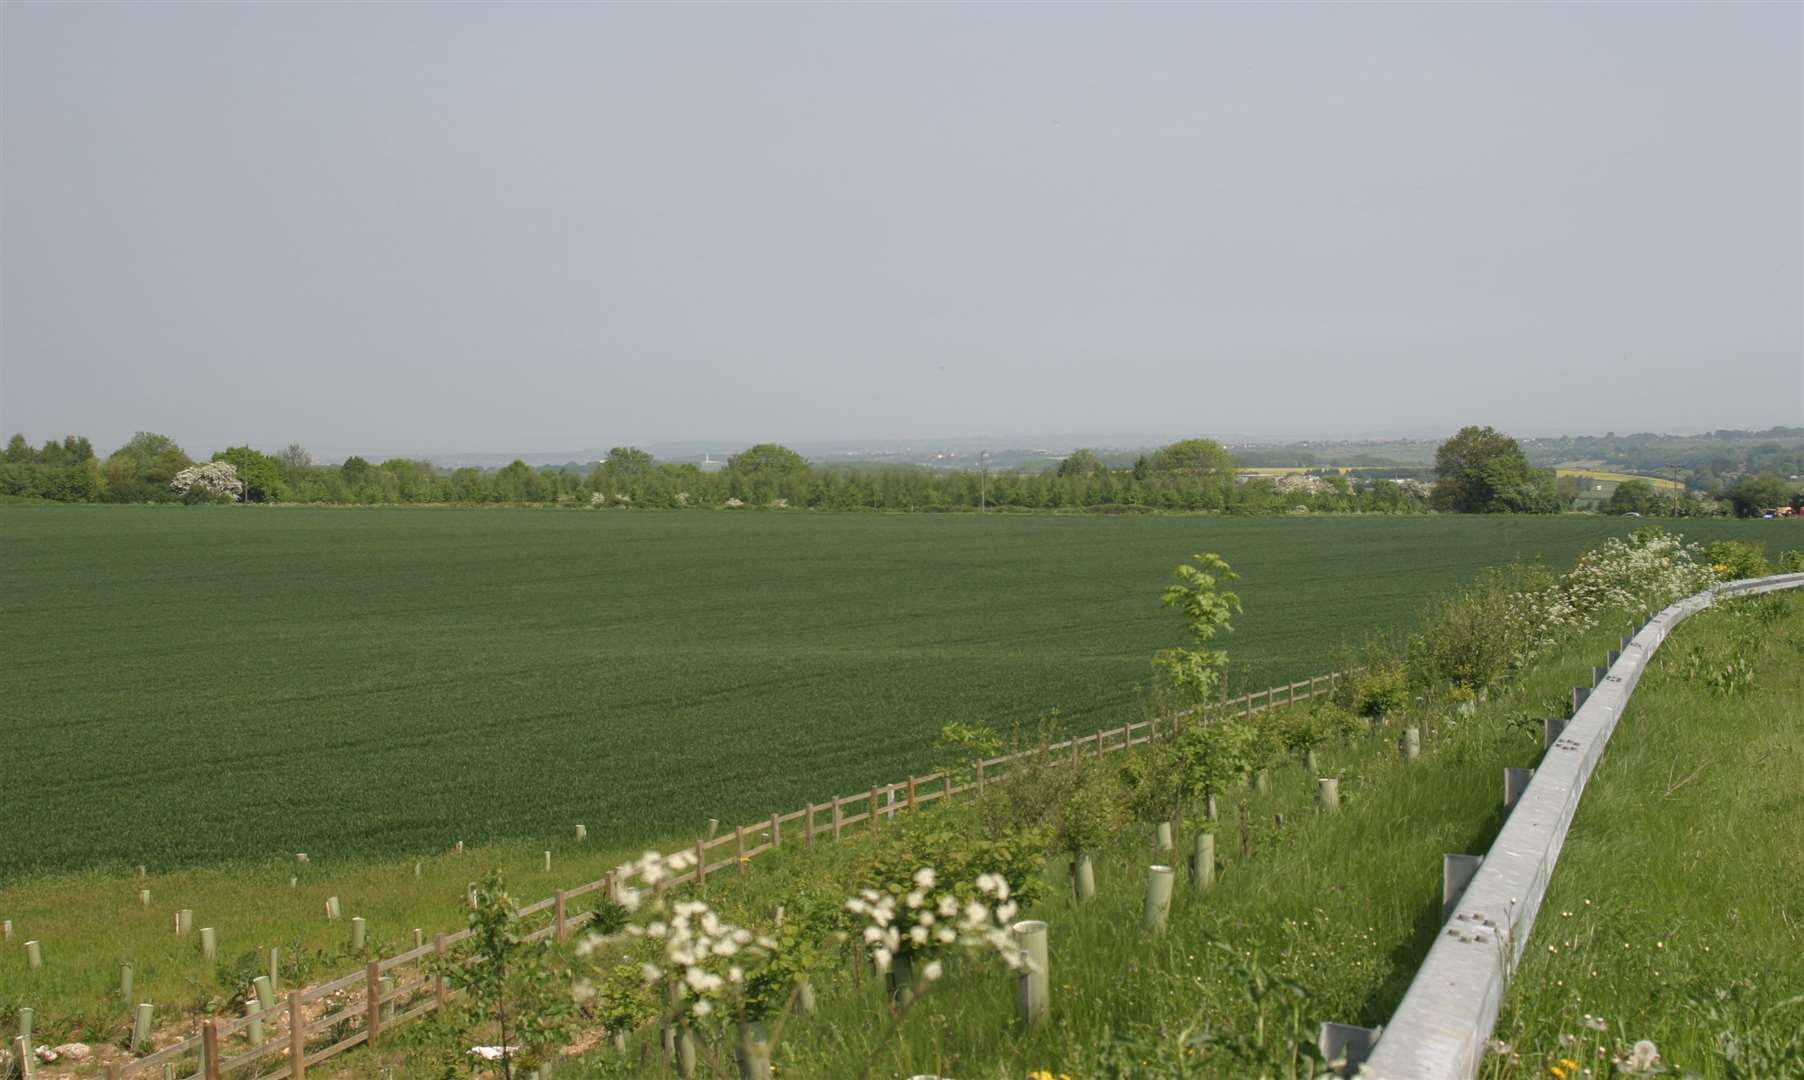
(297, 1025)
(1597, 675)
(1345, 1047)
(1515, 782)
(1580, 695)
(1550, 731)
(1614, 655)
(1456, 874)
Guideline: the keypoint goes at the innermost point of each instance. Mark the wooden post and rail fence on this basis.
(323, 1021)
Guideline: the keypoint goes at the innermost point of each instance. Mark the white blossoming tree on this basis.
(215, 477)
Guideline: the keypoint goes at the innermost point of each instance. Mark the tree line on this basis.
(1479, 470)
(1196, 474)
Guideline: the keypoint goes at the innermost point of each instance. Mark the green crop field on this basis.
(184, 686)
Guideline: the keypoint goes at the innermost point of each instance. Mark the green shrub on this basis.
(1790, 562)
(1735, 559)
(1091, 809)
(1381, 691)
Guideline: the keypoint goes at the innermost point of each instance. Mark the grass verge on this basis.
(1676, 914)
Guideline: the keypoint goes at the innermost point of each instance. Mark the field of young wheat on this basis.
(184, 686)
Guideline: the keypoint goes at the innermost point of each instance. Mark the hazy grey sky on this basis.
(559, 225)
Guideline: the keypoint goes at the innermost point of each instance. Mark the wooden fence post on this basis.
(739, 846)
(701, 865)
(911, 792)
(776, 830)
(838, 818)
(875, 816)
(373, 1003)
(980, 777)
(563, 928)
(209, 1048)
(297, 1026)
(440, 992)
(808, 833)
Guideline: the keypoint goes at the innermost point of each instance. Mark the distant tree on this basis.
(1081, 463)
(1198, 460)
(357, 472)
(629, 464)
(143, 467)
(262, 474)
(295, 460)
(1633, 497)
(147, 448)
(19, 452)
(1483, 471)
(511, 481)
(766, 460)
(1762, 491)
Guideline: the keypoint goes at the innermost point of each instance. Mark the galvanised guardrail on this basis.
(1439, 1030)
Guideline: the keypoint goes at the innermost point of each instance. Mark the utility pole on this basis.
(983, 491)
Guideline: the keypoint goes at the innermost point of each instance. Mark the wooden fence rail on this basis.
(362, 1008)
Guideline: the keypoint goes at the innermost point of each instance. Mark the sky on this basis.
(421, 227)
